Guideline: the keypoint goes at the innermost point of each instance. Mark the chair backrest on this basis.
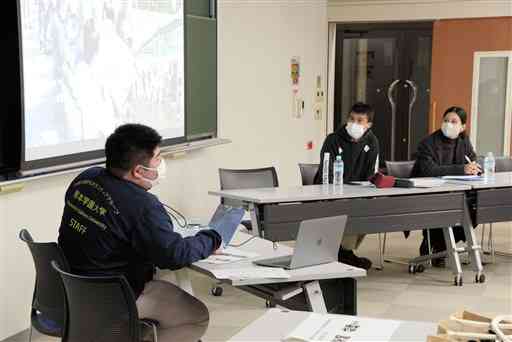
(400, 169)
(100, 309)
(308, 173)
(49, 298)
(503, 164)
(246, 179)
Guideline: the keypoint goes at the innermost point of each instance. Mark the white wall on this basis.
(256, 41)
(407, 10)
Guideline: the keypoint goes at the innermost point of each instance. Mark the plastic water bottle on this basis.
(325, 167)
(489, 166)
(338, 170)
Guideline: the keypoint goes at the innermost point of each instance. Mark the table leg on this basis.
(336, 296)
(473, 247)
(315, 297)
(453, 255)
(253, 210)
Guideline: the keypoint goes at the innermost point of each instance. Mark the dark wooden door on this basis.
(387, 66)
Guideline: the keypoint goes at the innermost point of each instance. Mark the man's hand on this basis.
(219, 251)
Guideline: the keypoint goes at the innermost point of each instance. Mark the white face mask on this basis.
(161, 170)
(451, 131)
(356, 131)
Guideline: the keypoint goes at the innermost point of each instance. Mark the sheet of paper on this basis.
(237, 252)
(464, 178)
(230, 255)
(324, 328)
(188, 231)
(427, 182)
(251, 273)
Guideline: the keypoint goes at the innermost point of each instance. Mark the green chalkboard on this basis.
(200, 8)
(201, 73)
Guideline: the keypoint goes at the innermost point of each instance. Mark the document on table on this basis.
(423, 182)
(323, 328)
(230, 255)
(464, 178)
(250, 273)
(188, 230)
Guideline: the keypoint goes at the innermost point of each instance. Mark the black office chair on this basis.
(503, 164)
(48, 312)
(244, 179)
(402, 169)
(308, 173)
(101, 309)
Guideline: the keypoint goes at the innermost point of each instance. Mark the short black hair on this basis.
(459, 111)
(129, 145)
(363, 108)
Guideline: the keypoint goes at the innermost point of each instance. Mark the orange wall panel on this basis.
(454, 44)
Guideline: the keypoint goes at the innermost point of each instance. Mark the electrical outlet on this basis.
(319, 96)
(299, 108)
(318, 111)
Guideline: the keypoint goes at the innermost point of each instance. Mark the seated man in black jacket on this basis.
(444, 153)
(112, 225)
(360, 151)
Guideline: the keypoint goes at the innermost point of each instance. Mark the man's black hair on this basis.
(363, 108)
(130, 145)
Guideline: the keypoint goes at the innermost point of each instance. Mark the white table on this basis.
(301, 291)
(276, 324)
(265, 249)
(500, 180)
(491, 200)
(276, 213)
(328, 192)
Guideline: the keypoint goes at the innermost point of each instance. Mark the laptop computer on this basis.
(225, 221)
(318, 242)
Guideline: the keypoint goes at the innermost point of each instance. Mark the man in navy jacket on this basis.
(112, 225)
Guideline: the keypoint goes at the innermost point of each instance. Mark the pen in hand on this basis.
(476, 164)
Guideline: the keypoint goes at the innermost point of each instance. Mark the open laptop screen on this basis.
(225, 220)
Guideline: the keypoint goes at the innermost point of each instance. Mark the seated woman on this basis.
(444, 153)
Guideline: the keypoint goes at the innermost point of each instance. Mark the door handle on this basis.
(414, 88)
(213, 9)
(392, 102)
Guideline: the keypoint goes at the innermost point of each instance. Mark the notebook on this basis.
(423, 182)
(464, 178)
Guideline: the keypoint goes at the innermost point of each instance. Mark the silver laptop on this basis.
(318, 242)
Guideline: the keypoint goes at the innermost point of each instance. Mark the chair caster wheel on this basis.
(217, 291)
(480, 278)
(269, 304)
(458, 281)
(413, 269)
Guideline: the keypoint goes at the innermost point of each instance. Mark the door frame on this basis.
(371, 30)
(478, 56)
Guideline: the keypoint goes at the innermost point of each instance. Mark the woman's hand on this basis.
(472, 169)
